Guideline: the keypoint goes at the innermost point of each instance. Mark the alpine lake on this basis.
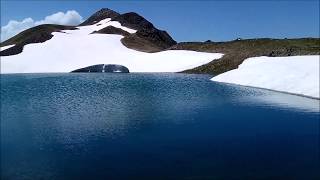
(153, 126)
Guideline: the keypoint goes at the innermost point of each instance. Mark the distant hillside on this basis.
(238, 50)
(37, 34)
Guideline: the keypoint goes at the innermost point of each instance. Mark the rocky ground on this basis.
(238, 50)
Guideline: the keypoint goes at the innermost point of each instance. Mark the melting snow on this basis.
(74, 49)
(294, 74)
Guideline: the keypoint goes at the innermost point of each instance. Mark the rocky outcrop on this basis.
(112, 30)
(152, 37)
(140, 44)
(103, 68)
(100, 15)
(134, 21)
(146, 39)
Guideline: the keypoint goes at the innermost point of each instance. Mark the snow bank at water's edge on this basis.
(294, 74)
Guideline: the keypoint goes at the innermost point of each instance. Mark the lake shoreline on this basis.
(209, 76)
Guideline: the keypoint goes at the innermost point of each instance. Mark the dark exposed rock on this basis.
(12, 51)
(235, 52)
(147, 38)
(37, 34)
(112, 30)
(100, 15)
(161, 38)
(103, 68)
(140, 44)
(133, 20)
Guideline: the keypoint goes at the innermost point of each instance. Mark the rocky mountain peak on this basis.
(100, 15)
(147, 37)
(133, 20)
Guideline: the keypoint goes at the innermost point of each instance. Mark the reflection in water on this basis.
(174, 126)
(287, 101)
(282, 100)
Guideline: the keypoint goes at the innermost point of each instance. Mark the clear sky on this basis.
(216, 20)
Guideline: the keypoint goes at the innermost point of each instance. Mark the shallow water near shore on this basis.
(153, 126)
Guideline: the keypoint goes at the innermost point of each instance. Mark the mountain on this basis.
(106, 37)
(100, 15)
(139, 34)
(146, 39)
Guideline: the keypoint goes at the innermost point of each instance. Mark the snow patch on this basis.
(74, 49)
(6, 47)
(83, 30)
(294, 74)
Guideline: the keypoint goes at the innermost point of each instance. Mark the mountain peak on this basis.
(134, 21)
(100, 15)
(147, 38)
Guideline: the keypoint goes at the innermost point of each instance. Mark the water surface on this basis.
(153, 126)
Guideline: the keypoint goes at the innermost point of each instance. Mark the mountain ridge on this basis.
(100, 15)
(154, 40)
(236, 51)
(147, 38)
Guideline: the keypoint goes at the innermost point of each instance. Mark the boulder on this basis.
(103, 68)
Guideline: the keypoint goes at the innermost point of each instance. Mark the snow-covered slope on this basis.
(73, 49)
(294, 74)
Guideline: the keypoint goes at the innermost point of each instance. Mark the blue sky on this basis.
(193, 20)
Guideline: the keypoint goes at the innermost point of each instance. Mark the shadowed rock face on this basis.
(134, 21)
(112, 30)
(146, 39)
(100, 15)
(146, 33)
(103, 68)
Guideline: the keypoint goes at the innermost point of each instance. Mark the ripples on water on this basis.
(144, 126)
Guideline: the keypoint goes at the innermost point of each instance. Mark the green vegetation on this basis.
(238, 50)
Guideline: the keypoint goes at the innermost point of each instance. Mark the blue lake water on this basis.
(153, 126)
